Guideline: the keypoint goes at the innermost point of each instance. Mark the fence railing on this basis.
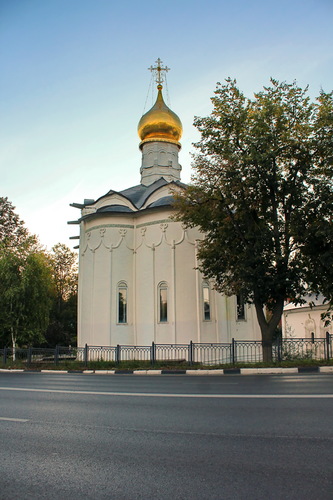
(237, 351)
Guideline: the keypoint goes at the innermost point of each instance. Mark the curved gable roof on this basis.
(137, 198)
(139, 195)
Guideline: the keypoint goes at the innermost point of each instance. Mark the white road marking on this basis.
(297, 378)
(6, 419)
(175, 395)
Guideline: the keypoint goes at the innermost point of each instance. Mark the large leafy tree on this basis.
(262, 194)
(316, 234)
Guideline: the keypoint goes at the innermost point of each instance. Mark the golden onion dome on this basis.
(160, 123)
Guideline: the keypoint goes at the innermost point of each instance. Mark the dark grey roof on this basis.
(162, 202)
(137, 195)
(114, 208)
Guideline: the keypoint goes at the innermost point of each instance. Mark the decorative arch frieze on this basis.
(95, 237)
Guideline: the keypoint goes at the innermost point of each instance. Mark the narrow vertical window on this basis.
(163, 302)
(206, 301)
(122, 303)
(240, 307)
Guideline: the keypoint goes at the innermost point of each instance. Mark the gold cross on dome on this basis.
(158, 69)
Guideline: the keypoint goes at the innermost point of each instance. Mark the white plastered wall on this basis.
(144, 250)
(301, 322)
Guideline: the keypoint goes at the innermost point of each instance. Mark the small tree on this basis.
(11, 297)
(39, 296)
(26, 282)
(63, 322)
(26, 291)
(262, 188)
(65, 270)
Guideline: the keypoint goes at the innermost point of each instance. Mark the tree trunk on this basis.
(267, 343)
(13, 343)
(268, 327)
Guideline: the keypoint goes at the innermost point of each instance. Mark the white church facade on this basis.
(306, 320)
(138, 270)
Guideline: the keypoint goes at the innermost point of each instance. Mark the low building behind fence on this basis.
(212, 354)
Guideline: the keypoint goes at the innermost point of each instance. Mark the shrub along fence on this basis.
(237, 351)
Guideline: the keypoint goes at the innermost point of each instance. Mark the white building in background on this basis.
(138, 276)
(305, 321)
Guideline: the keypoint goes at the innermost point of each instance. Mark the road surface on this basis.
(127, 437)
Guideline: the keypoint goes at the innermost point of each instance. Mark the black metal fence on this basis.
(237, 351)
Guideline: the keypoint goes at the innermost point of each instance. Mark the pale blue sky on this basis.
(74, 82)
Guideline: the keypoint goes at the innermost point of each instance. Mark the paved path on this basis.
(174, 437)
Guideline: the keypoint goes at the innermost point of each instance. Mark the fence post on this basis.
(328, 346)
(152, 353)
(118, 354)
(56, 355)
(29, 356)
(279, 349)
(190, 353)
(85, 355)
(233, 347)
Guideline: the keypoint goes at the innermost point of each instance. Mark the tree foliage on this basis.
(14, 236)
(63, 319)
(26, 292)
(262, 194)
(65, 270)
(38, 290)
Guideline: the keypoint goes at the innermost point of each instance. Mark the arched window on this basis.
(163, 302)
(240, 308)
(122, 302)
(206, 301)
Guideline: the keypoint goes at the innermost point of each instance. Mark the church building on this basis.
(138, 270)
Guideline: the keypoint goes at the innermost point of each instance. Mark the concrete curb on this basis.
(54, 371)
(268, 371)
(326, 369)
(13, 371)
(225, 371)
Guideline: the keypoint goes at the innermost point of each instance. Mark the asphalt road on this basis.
(175, 437)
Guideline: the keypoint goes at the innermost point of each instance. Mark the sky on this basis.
(74, 84)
